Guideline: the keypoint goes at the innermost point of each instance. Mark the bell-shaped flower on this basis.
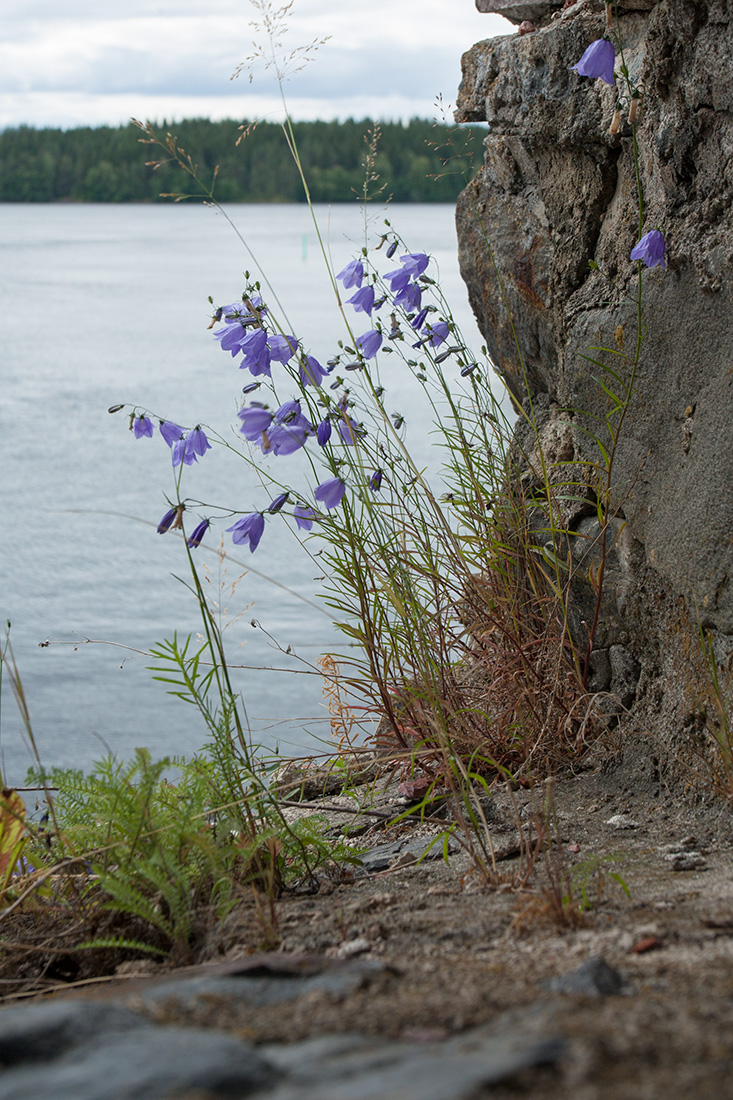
(255, 420)
(598, 61)
(167, 520)
(418, 321)
(369, 343)
(171, 432)
(415, 263)
(437, 334)
(323, 433)
(198, 534)
(410, 297)
(352, 274)
(348, 431)
(304, 516)
(363, 300)
(179, 453)
(248, 530)
(256, 353)
(650, 249)
(142, 426)
(288, 437)
(330, 493)
(231, 337)
(375, 481)
(397, 279)
(197, 443)
(282, 348)
(311, 371)
(275, 505)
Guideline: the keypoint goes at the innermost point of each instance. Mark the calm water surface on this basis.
(107, 304)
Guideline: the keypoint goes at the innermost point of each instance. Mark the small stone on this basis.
(526, 27)
(687, 861)
(622, 821)
(594, 978)
(350, 949)
(649, 943)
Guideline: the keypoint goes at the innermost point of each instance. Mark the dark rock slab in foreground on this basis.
(144, 1062)
(100, 1050)
(354, 1067)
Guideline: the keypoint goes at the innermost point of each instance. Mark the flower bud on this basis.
(615, 122)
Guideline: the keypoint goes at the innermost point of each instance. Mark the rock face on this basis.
(557, 190)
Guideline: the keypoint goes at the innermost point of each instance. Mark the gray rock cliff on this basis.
(557, 189)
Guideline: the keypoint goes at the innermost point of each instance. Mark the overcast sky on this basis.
(87, 62)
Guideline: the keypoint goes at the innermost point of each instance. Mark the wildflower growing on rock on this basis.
(198, 534)
(330, 493)
(352, 274)
(248, 530)
(650, 249)
(142, 426)
(598, 61)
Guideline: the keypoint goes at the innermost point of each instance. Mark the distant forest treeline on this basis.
(107, 164)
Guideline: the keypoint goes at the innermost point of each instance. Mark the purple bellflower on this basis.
(304, 516)
(437, 333)
(280, 500)
(256, 353)
(352, 274)
(375, 481)
(282, 348)
(349, 431)
(248, 530)
(369, 343)
(363, 300)
(142, 426)
(330, 493)
(255, 421)
(311, 372)
(650, 249)
(397, 279)
(598, 61)
(171, 432)
(198, 534)
(415, 263)
(410, 297)
(167, 520)
(323, 433)
(197, 443)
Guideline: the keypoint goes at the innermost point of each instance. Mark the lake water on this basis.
(106, 304)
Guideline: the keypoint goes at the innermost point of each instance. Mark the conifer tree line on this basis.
(415, 162)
